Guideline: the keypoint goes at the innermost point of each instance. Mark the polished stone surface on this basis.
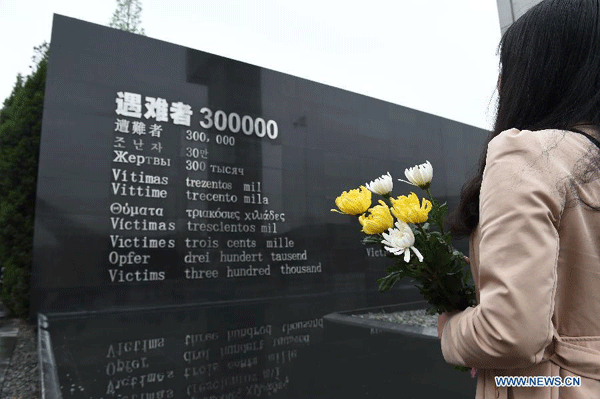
(184, 245)
(283, 348)
(244, 164)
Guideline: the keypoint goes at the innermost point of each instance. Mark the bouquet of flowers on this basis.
(416, 239)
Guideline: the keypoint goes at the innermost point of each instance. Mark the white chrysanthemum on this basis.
(400, 240)
(420, 175)
(382, 185)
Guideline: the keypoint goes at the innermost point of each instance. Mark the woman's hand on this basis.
(442, 319)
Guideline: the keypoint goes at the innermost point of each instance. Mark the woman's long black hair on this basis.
(549, 79)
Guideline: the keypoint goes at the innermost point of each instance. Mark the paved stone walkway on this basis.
(8, 338)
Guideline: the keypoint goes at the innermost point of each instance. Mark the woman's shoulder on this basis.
(548, 146)
(525, 138)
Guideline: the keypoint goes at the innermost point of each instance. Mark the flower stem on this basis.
(388, 198)
(439, 223)
(428, 194)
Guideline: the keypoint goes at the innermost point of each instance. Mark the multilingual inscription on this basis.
(250, 361)
(227, 227)
(236, 362)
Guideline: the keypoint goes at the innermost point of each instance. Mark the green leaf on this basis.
(387, 282)
(443, 210)
(372, 239)
(431, 311)
(396, 267)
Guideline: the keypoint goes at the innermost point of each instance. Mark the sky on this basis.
(436, 56)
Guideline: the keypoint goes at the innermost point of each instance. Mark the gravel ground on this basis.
(23, 375)
(414, 317)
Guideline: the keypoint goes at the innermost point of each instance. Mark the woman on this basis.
(533, 213)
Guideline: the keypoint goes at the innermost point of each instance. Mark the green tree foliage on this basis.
(127, 16)
(20, 126)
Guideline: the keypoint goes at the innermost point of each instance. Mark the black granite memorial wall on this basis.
(171, 176)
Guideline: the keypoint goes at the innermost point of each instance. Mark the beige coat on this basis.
(535, 258)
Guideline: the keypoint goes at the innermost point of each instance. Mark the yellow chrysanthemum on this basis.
(354, 202)
(379, 220)
(409, 210)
